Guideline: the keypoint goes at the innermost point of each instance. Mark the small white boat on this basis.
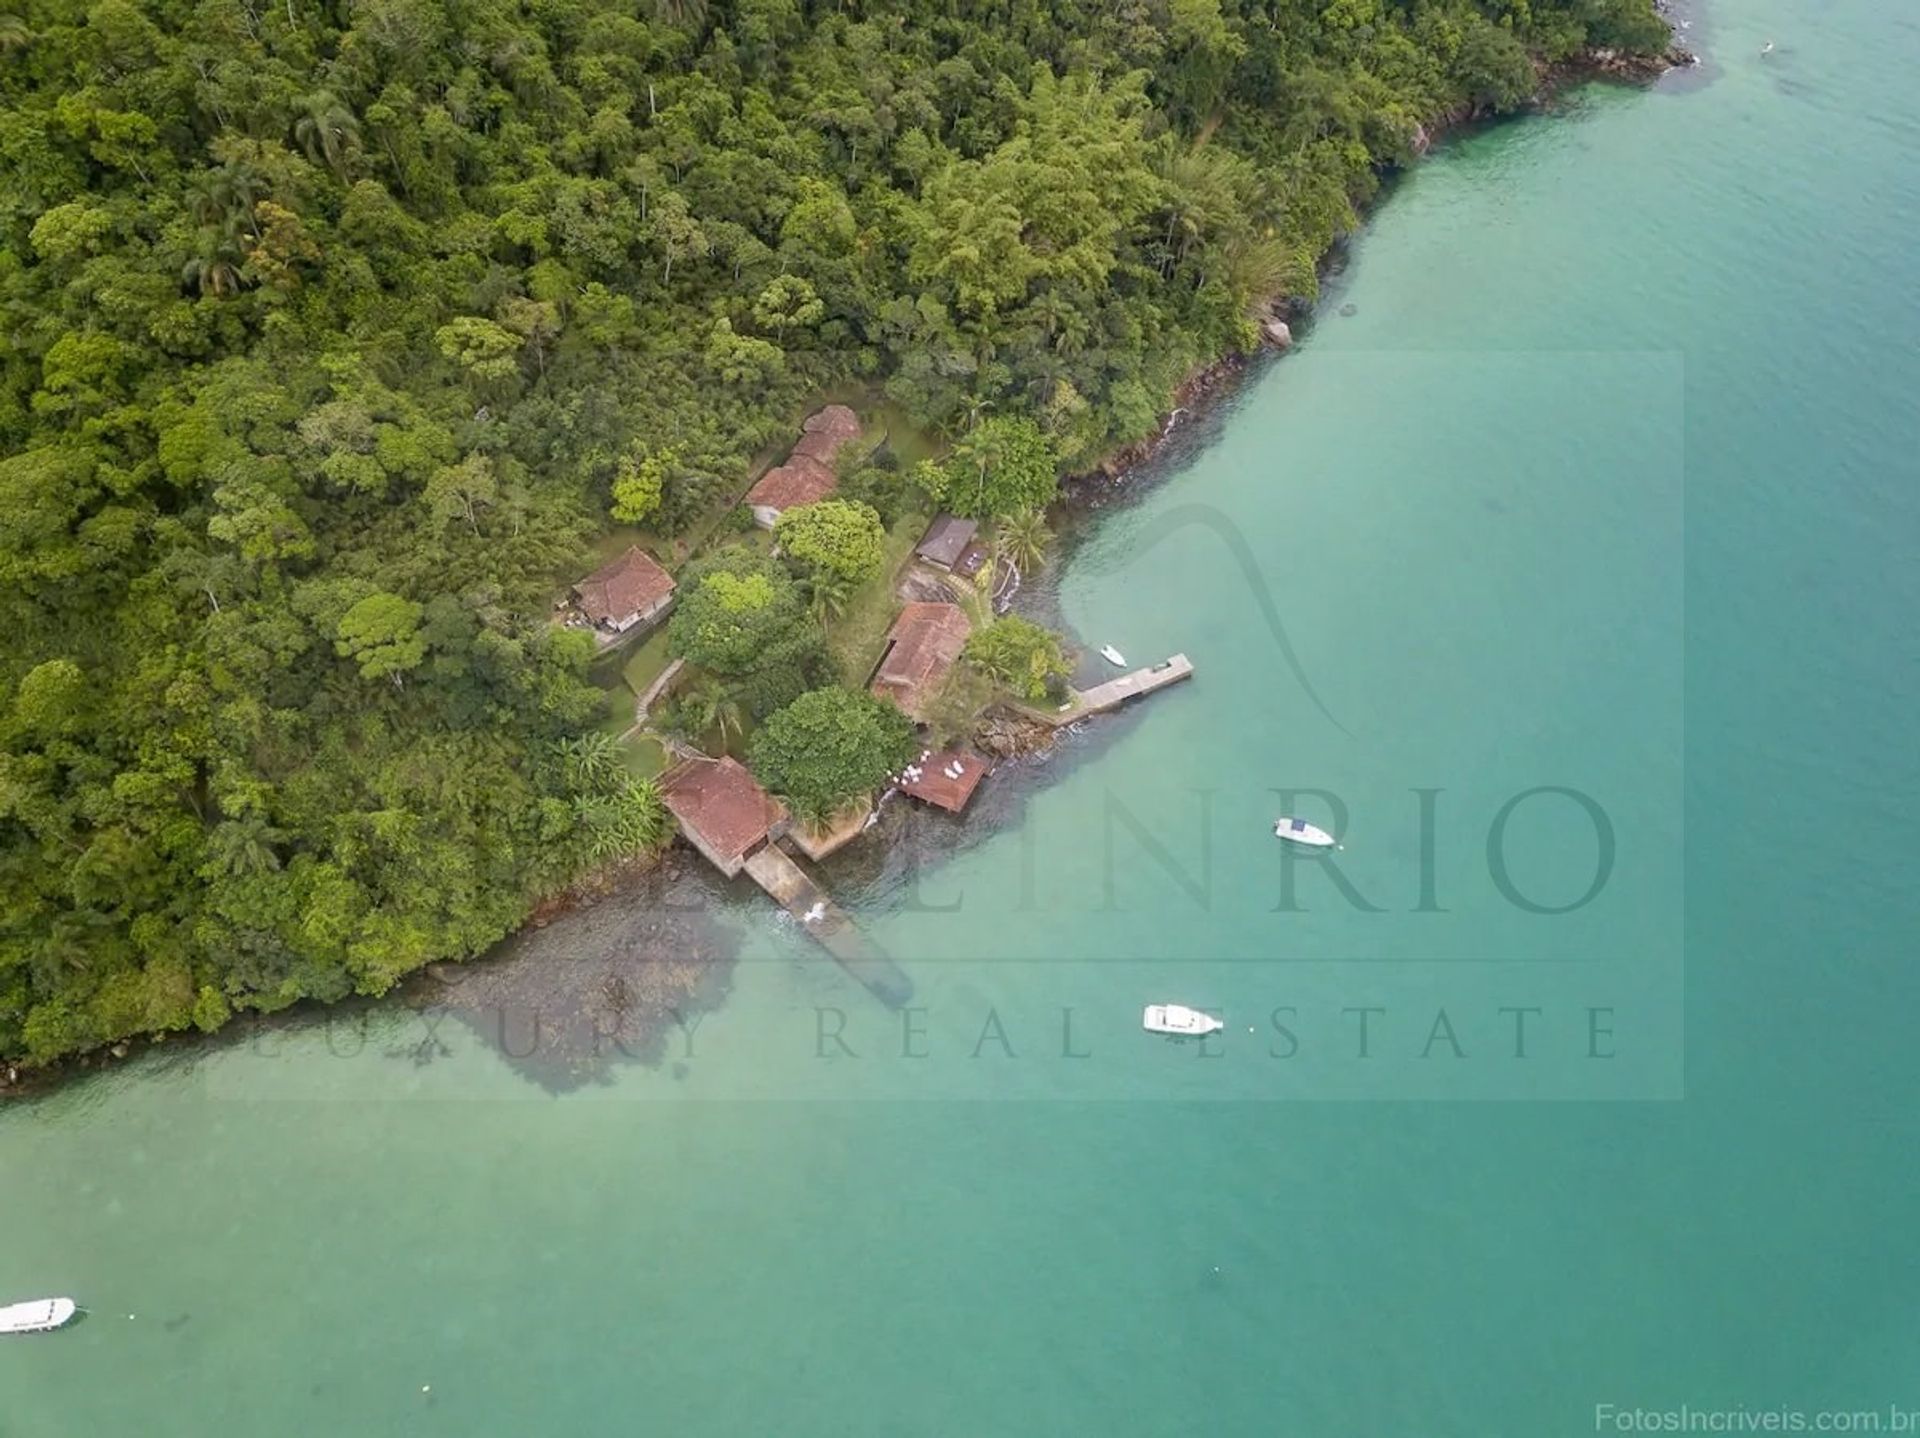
(37, 1316)
(1299, 831)
(1113, 656)
(1181, 1021)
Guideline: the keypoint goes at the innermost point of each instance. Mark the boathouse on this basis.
(722, 812)
(945, 778)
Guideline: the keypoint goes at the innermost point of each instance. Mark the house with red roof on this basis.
(922, 646)
(631, 590)
(721, 811)
(807, 476)
(788, 486)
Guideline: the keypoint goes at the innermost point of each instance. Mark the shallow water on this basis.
(1605, 486)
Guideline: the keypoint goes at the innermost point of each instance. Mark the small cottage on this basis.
(946, 540)
(921, 647)
(799, 481)
(632, 590)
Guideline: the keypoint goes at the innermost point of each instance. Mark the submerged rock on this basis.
(603, 984)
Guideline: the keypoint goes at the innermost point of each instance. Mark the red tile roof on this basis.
(717, 800)
(936, 787)
(821, 448)
(921, 648)
(835, 419)
(631, 583)
(799, 481)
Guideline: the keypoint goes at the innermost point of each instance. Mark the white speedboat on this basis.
(36, 1316)
(1113, 656)
(1299, 831)
(1180, 1021)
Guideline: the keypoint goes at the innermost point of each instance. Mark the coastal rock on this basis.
(1007, 736)
(1278, 333)
(1628, 66)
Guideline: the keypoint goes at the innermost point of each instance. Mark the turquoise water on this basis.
(1604, 486)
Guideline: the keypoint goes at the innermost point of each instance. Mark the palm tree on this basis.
(592, 763)
(710, 706)
(237, 189)
(687, 14)
(326, 129)
(222, 200)
(975, 596)
(1024, 538)
(985, 447)
(14, 34)
(827, 596)
(214, 268)
(246, 846)
(204, 198)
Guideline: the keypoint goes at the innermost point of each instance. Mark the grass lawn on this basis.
(645, 664)
(617, 541)
(646, 757)
(909, 443)
(618, 717)
(854, 639)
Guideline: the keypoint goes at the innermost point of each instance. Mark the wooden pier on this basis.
(1114, 693)
(827, 924)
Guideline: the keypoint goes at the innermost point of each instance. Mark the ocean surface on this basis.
(1571, 574)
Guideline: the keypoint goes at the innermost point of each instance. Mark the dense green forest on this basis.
(329, 325)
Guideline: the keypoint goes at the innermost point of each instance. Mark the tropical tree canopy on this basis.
(828, 747)
(1002, 466)
(1019, 655)
(336, 330)
(739, 611)
(841, 537)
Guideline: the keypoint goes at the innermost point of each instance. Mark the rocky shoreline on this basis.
(603, 980)
(1208, 384)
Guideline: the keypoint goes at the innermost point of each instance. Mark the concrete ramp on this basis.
(827, 924)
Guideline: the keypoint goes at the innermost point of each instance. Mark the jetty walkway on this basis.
(827, 924)
(1114, 693)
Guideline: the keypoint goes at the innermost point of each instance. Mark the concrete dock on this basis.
(1114, 693)
(827, 924)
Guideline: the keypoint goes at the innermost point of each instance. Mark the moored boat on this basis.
(1180, 1021)
(1113, 656)
(1299, 831)
(36, 1315)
